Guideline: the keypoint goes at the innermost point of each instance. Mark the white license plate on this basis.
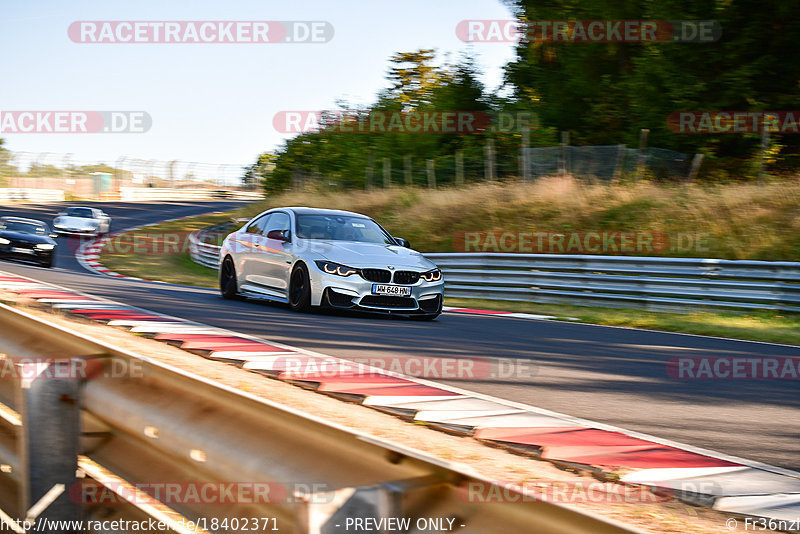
(383, 289)
(21, 250)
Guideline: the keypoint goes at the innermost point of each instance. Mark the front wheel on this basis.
(227, 279)
(300, 289)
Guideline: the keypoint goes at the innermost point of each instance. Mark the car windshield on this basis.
(341, 228)
(80, 212)
(24, 227)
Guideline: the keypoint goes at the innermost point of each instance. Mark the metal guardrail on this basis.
(22, 194)
(651, 283)
(167, 424)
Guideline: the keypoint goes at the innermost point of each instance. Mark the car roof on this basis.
(304, 210)
(23, 220)
(79, 207)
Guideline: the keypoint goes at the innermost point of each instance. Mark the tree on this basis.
(413, 77)
(603, 93)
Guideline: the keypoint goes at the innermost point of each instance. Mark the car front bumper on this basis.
(355, 293)
(83, 231)
(36, 255)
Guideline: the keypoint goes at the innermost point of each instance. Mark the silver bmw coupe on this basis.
(310, 257)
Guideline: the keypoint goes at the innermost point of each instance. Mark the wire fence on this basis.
(587, 162)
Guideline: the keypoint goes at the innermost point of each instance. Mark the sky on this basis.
(214, 102)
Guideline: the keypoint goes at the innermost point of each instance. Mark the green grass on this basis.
(773, 327)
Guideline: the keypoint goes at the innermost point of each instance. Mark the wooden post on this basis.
(698, 159)
(525, 153)
(640, 167)
(459, 168)
(620, 162)
(387, 173)
(489, 170)
(369, 172)
(407, 169)
(431, 174)
(763, 156)
(564, 148)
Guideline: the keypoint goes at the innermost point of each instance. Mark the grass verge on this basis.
(772, 327)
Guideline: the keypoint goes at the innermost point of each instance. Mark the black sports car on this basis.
(27, 239)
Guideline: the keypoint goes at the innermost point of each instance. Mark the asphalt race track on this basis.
(611, 375)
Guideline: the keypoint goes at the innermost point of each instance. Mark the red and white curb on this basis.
(88, 254)
(695, 475)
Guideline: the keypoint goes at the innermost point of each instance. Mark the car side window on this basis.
(278, 221)
(257, 226)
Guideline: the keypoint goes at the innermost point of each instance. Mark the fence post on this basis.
(642, 153)
(369, 171)
(763, 154)
(620, 162)
(564, 150)
(49, 444)
(698, 159)
(387, 173)
(459, 168)
(431, 174)
(407, 169)
(525, 153)
(489, 171)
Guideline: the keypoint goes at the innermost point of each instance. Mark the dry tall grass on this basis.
(736, 221)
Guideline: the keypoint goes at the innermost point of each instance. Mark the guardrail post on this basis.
(48, 448)
(346, 509)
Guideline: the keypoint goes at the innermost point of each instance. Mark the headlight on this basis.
(4, 241)
(335, 268)
(432, 276)
(45, 246)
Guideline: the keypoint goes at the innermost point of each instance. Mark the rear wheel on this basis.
(227, 279)
(300, 289)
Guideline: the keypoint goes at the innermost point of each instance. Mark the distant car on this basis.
(315, 257)
(27, 239)
(82, 221)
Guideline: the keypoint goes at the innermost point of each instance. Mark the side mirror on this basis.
(278, 235)
(61, 214)
(402, 242)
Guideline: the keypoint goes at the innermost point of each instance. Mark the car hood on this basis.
(25, 237)
(355, 254)
(79, 222)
